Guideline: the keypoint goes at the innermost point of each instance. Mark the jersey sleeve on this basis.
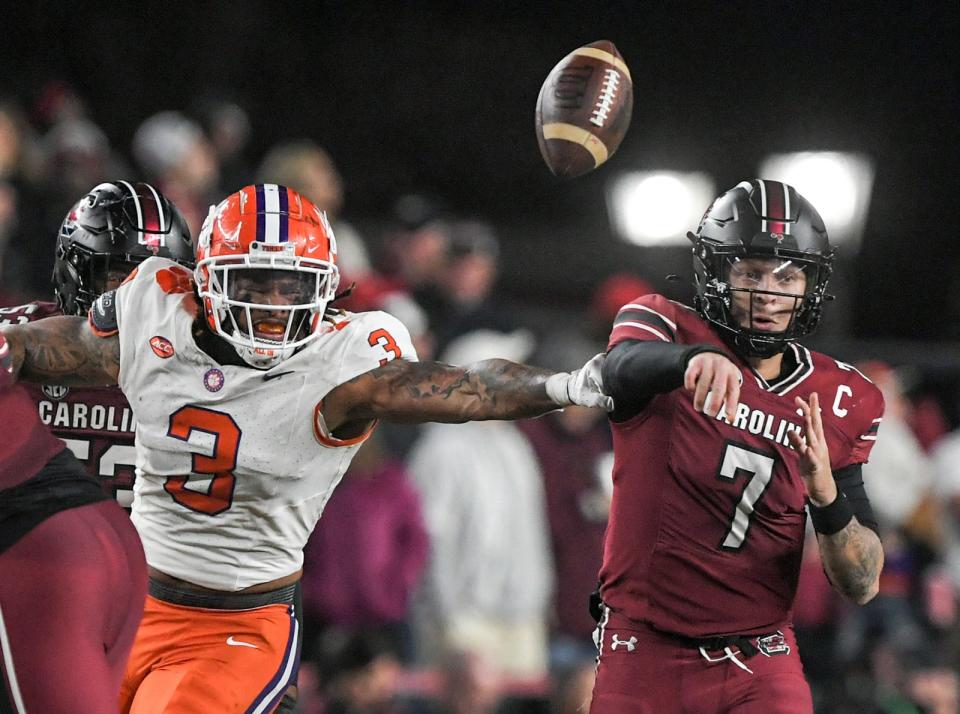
(377, 338)
(866, 425)
(150, 283)
(647, 318)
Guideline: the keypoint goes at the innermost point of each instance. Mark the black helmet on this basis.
(114, 224)
(760, 219)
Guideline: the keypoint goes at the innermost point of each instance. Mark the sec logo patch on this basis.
(161, 347)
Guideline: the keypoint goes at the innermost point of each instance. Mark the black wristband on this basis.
(833, 517)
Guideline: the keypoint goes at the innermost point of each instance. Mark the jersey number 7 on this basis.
(758, 467)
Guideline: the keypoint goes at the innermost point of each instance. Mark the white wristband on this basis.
(557, 385)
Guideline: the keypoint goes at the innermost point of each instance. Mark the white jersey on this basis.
(234, 464)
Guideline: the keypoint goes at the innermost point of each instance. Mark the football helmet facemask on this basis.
(114, 227)
(765, 220)
(266, 270)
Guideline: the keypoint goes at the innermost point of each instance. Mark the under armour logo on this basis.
(630, 644)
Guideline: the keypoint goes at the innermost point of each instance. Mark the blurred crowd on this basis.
(451, 569)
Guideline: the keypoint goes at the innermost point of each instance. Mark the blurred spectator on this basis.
(19, 225)
(575, 454)
(898, 479)
(816, 609)
(488, 582)
(227, 126)
(946, 460)
(899, 476)
(57, 101)
(76, 156)
(173, 152)
(418, 259)
(358, 673)
(927, 420)
(611, 295)
(309, 169)
(913, 680)
(469, 685)
(573, 693)
(467, 283)
(367, 553)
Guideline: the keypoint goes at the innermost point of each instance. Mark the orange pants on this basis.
(192, 660)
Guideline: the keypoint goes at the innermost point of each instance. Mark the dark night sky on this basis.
(413, 95)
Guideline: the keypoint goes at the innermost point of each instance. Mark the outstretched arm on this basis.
(851, 553)
(63, 350)
(413, 392)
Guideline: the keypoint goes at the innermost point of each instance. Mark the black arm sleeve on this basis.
(850, 480)
(635, 371)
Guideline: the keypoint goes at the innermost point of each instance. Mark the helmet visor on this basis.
(772, 275)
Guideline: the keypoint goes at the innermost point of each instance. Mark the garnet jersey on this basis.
(707, 521)
(96, 423)
(26, 445)
(234, 464)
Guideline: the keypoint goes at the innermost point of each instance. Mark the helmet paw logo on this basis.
(161, 347)
(213, 380)
(777, 237)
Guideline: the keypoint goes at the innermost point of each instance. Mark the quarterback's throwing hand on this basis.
(715, 382)
(814, 454)
(583, 387)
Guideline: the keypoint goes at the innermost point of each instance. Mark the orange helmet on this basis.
(266, 269)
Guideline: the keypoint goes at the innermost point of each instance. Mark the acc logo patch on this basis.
(775, 644)
(161, 347)
(213, 380)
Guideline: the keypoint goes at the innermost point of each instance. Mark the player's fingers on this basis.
(796, 441)
(691, 374)
(702, 386)
(815, 412)
(732, 396)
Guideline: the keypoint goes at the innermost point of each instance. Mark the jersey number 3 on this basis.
(220, 464)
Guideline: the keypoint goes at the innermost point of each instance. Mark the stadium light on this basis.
(655, 208)
(838, 184)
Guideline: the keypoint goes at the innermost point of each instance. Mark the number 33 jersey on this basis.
(234, 464)
(707, 520)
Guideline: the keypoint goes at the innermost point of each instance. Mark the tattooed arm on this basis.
(63, 350)
(413, 392)
(852, 559)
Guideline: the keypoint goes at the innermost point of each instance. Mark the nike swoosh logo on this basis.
(239, 643)
(276, 375)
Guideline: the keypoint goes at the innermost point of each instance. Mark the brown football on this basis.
(583, 110)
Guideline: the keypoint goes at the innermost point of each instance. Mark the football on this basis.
(584, 108)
